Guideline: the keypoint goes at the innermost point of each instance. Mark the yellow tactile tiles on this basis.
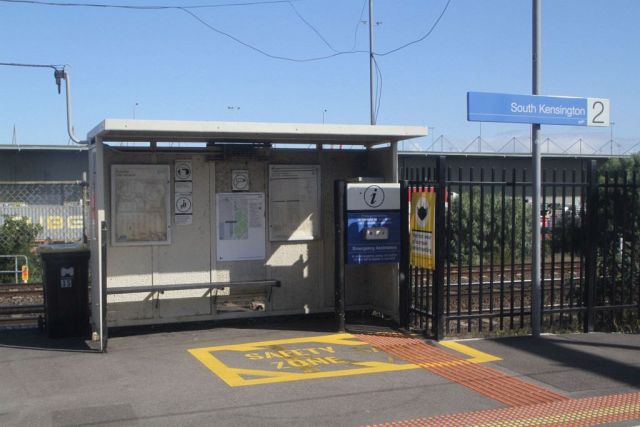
(590, 411)
(487, 381)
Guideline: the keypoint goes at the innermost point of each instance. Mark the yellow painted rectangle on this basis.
(312, 358)
(309, 357)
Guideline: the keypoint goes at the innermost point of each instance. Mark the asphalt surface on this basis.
(150, 378)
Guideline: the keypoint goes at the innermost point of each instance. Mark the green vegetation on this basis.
(17, 237)
(467, 220)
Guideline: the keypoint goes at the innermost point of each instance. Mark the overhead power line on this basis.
(149, 7)
(355, 31)
(261, 51)
(314, 29)
(428, 33)
(187, 9)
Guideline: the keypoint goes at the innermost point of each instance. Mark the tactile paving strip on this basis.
(486, 381)
(575, 413)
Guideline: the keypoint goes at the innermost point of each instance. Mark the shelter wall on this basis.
(304, 268)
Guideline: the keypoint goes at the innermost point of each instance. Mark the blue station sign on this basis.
(537, 109)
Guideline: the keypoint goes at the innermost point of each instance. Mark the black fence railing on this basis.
(481, 284)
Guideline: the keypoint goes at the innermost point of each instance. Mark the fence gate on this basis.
(481, 281)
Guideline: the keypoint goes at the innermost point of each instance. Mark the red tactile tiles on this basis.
(486, 381)
(567, 413)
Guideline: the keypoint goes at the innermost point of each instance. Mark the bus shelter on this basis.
(200, 220)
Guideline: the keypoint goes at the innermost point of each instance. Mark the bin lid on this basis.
(63, 248)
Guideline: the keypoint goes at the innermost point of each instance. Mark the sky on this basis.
(168, 64)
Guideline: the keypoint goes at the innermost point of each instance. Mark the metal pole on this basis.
(403, 282)
(371, 70)
(70, 130)
(535, 167)
(440, 249)
(339, 191)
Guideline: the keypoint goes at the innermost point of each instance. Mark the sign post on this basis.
(537, 110)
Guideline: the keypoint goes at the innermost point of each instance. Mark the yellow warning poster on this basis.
(422, 228)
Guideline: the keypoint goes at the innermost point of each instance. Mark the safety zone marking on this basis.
(296, 359)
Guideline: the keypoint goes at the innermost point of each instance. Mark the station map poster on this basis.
(294, 202)
(240, 226)
(140, 206)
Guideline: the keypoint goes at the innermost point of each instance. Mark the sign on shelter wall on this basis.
(140, 205)
(240, 226)
(294, 202)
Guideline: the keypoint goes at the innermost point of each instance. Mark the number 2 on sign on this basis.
(598, 112)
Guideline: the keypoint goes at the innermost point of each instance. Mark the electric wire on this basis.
(263, 52)
(428, 33)
(355, 32)
(187, 10)
(378, 99)
(150, 7)
(314, 29)
(252, 3)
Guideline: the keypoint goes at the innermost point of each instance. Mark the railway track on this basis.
(14, 290)
(16, 322)
(21, 305)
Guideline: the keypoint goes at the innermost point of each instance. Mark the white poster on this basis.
(140, 204)
(294, 202)
(240, 219)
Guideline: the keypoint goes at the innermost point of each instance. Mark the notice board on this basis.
(240, 219)
(294, 202)
(140, 205)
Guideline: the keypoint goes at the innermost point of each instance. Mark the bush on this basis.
(467, 236)
(17, 237)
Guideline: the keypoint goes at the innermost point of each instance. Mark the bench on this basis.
(270, 284)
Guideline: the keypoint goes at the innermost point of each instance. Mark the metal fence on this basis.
(481, 284)
(32, 213)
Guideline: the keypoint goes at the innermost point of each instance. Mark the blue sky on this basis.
(174, 67)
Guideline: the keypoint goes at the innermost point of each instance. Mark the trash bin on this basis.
(65, 274)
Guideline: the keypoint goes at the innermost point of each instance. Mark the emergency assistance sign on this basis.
(373, 223)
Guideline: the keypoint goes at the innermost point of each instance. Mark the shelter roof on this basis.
(275, 133)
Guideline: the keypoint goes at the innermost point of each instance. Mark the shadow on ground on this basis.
(34, 339)
(612, 357)
(325, 323)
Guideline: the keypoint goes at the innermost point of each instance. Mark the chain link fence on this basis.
(33, 213)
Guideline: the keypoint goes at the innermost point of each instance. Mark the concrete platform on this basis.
(152, 379)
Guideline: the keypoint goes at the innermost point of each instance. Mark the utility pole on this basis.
(536, 306)
(371, 65)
